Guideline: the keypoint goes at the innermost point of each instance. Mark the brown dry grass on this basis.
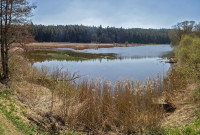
(185, 109)
(96, 106)
(78, 46)
(124, 107)
(101, 107)
(181, 95)
(92, 105)
(36, 96)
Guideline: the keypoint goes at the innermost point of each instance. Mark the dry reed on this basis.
(126, 107)
(97, 106)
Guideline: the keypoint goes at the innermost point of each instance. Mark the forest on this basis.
(93, 34)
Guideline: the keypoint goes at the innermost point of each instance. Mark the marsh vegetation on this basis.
(50, 99)
(108, 63)
(93, 105)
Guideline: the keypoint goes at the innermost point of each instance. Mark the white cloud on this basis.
(118, 13)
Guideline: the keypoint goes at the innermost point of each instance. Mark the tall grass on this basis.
(95, 105)
(121, 107)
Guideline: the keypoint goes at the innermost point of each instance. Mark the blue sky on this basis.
(117, 13)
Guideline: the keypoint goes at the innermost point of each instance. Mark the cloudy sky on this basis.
(117, 13)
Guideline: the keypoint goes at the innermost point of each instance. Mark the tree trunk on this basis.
(4, 44)
(13, 13)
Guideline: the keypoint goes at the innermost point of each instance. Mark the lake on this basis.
(117, 63)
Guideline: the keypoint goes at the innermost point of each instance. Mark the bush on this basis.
(189, 57)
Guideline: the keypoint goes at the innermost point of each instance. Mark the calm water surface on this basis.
(136, 63)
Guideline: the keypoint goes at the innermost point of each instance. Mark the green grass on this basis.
(192, 129)
(196, 97)
(189, 129)
(67, 55)
(2, 131)
(9, 109)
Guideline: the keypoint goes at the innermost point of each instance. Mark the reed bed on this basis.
(94, 105)
(123, 107)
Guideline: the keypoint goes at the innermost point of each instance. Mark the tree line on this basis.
(93, 34)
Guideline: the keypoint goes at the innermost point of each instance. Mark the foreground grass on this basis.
(7, 127)
(13, 113)
(2, 131)
(190, 129)
(91, 106)
(100, 107)
(186, 119)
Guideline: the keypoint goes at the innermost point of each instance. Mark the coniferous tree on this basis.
(86, 34)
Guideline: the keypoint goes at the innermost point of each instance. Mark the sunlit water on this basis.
(136, 63)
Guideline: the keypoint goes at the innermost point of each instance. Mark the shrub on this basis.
(189, 57)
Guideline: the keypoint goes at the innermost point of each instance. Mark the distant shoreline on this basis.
(78, 46)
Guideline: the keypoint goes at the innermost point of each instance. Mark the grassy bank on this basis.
(39, 102)
(91, 106)
(185, 120)
(186, 95)
(12, 119)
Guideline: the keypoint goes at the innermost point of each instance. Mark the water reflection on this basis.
(129, 62)
(112, 70)
(145, 51)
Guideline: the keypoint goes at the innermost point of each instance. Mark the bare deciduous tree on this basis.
(179, 30)
(13, 29)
